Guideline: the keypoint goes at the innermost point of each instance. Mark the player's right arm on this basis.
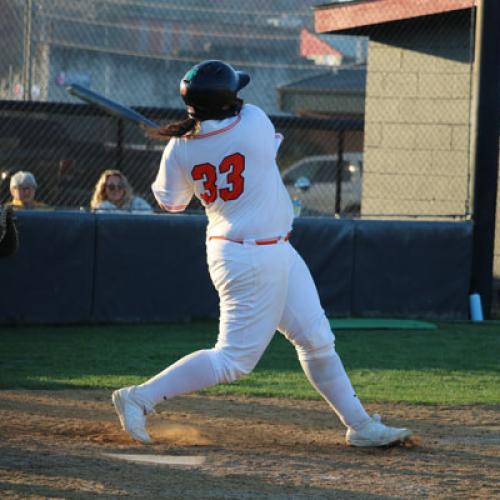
(172, 188)
(269, 141)
(278, 139)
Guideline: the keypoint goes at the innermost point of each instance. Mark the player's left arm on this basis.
(172, 188)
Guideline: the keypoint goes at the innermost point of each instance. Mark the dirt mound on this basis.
(60, 445)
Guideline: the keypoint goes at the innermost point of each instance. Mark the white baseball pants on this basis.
(262, 288)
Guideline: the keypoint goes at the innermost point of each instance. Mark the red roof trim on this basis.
(336, 17)
(312, 45)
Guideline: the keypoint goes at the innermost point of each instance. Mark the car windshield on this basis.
(315, 171)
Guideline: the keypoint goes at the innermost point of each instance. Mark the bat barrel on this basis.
(109, 106)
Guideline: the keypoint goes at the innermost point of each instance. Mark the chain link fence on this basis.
(376, 123)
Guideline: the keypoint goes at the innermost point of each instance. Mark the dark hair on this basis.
(185, 127)
(189, 126)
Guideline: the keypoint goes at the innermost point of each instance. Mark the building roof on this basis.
(352, 80)
(313, 45)
(342, 16)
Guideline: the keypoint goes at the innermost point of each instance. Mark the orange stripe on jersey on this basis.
(173, 208)
(272, 241)
(219, 131)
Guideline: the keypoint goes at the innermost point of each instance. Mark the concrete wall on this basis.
(418, 116)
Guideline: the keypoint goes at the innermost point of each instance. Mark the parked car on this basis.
(313, 180)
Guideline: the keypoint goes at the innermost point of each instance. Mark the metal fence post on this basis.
(28, 24)
(339, 173)
(486, 154)
(120, 134)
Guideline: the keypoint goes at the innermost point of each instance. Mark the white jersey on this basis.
(230, 165)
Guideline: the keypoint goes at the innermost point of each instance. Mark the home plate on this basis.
(159, 459)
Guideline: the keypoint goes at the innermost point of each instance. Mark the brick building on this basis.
(421, 101)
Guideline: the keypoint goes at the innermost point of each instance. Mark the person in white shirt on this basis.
(113, 193)
(224, 153)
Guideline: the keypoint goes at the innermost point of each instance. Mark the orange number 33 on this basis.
(233, 165)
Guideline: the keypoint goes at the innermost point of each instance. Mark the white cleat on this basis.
(132, 414)
(375, 433)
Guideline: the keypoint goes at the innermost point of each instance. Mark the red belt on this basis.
(270, 241)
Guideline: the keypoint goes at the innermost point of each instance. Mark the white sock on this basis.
(328, 376)
(189, 374)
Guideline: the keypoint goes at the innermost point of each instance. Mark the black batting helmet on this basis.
(210, 90)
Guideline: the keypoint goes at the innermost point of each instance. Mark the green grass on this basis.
(459, 363)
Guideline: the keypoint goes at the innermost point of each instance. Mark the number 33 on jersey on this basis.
(232, 165)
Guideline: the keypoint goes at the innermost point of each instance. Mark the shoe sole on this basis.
(401, 438)
(119, 407)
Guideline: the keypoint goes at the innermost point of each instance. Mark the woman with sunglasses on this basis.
(113, 193)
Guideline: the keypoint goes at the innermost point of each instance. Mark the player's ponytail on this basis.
(187, 127)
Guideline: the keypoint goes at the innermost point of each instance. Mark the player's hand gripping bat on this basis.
(109, 106)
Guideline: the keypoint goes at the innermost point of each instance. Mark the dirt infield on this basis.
(55, 445)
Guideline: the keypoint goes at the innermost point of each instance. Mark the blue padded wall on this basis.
(152, 268)
(412, 269)
(327, 247)
(82, 267)
(50, 278)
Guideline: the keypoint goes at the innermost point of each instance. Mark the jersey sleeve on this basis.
(269, 140)
(171, 188)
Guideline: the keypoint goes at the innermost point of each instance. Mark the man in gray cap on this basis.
(23, 189)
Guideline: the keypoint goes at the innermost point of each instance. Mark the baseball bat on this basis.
(109, 106)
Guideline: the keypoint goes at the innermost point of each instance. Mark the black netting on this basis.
(378, 119)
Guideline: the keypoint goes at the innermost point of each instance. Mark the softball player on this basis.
(225, 155)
